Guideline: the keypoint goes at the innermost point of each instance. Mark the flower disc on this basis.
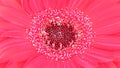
(60, 34)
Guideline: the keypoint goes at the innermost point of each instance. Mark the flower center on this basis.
(60, 34)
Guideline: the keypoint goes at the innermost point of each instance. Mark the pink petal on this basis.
(71, 64)
(27, 7)
(110, 20)
(32, 6)
(39, 62)
(102, 65)
(116, 55)
(36, 5)
(117, 64)
(49, 3)
(89, 59)
(22, 56)
(61, 64)
(108, 42)
(13, 31)
(99, 55)
(16, 50)
(3, 60)
(13, 34)
(61, 4)
(108, 65)
(66, 64)
(4, 24)
(17, 17)
(105, 15)
(2, 65)
(112, 28)
(12, 65)
(82, 63)
(11, 3)
(8, 40)
(97, 5)
(81, 4)
(111, 65)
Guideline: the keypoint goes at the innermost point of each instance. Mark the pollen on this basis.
(60, 34)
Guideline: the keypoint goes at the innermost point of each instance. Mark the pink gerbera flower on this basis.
(59, 34)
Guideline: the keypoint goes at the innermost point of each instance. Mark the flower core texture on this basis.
(60, 34)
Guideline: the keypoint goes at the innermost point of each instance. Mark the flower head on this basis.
(62, 34)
